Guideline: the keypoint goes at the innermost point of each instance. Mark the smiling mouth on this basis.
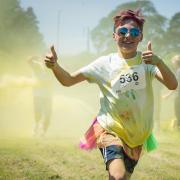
(127, 42)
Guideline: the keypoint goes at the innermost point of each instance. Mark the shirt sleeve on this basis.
(152, 70)
(94, 70)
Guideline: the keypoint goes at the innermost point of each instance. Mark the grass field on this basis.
(58, 155)
(60, 158)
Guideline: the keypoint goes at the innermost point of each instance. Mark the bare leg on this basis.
(117, 170)
(37, 115)
(47, 111)
(45, 125)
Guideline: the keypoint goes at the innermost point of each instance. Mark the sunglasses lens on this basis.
(122, 31)
(134, 32)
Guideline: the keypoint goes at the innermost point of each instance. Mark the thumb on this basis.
(53, 52)
(149, 48)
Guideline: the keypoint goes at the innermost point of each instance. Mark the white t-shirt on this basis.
(126, 96)
(44, 85)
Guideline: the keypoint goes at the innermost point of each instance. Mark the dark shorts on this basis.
(117, 152)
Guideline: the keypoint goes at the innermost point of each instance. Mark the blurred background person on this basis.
(42, 96)
(157, 88)
(176, 64)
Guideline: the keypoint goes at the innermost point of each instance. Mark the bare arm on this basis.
(164, 75)
(64, 77)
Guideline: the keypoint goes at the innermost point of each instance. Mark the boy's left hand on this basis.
(148, 57)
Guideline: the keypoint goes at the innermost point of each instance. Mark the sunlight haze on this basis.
(75, 17)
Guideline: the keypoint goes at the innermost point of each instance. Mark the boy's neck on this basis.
(127, 55)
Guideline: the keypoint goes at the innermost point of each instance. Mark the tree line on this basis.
(19, 32)
(164, 33)
(20, 36)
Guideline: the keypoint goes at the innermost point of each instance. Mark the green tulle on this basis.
(151, 143)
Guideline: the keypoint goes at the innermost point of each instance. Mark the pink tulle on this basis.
(88, 142)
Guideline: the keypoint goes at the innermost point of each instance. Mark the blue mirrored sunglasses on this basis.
(134, 32)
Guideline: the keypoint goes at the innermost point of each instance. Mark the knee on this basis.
(117, 176)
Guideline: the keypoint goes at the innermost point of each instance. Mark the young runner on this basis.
(125, 120)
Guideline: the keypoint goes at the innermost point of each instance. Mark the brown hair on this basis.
(129, 14)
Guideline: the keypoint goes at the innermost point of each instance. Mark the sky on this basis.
(65, 23)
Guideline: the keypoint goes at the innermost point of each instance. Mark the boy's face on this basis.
(127, 36)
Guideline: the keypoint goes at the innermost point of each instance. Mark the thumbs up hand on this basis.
(148, 57)
(51, 58)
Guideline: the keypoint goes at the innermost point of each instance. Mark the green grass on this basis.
(47, 159)
(60, 158)
(28, 158)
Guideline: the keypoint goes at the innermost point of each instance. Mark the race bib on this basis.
(131, 78)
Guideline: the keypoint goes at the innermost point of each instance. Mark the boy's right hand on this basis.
(51, 58)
